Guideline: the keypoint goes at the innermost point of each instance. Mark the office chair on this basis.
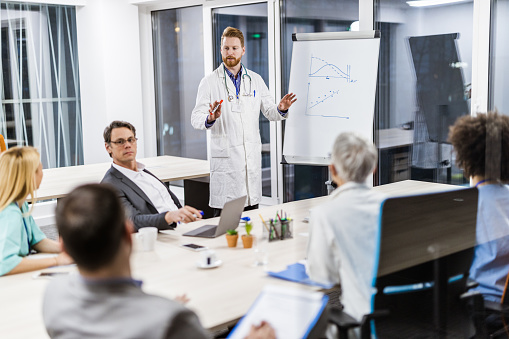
(491, 318)
(3, 147)
(426, 247)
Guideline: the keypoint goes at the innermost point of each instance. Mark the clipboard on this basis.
(292, 312)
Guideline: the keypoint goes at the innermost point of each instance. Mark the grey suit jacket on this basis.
(73, 308)
(138, 206)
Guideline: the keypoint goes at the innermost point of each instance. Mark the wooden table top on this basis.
(219, 296)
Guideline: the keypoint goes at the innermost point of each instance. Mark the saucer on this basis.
(215, 264)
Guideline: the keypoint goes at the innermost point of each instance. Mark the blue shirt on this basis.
(491, 260)
(18, 234)
(236, 82)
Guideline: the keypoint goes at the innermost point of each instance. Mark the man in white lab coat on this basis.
(228, 103)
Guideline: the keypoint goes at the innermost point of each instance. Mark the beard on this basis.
(231, 62)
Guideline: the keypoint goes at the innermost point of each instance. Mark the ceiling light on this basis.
(427, 3)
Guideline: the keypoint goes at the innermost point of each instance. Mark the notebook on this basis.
(230, 217)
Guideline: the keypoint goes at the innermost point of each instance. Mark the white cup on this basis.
(208, 258)
(148, 236)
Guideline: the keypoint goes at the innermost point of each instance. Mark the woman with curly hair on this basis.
(481, 145)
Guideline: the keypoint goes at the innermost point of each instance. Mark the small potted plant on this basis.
(231, 237)
(247, 239)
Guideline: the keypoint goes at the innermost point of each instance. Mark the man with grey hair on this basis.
(343, 231)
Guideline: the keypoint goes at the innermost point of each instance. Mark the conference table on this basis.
(58, 182)
(220, 296)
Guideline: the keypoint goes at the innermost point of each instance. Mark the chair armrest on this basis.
(476, 303)
(471, 295)
(471, 284)
(496, 306)
(366, 322)
(345, 322)
(342, 319)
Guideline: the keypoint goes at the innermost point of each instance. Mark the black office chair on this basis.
(491, 318)
(425, 252)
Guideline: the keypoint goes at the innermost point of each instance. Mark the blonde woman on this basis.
(20, 175)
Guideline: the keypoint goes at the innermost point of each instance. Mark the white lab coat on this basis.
(343, 235)
(235, 164)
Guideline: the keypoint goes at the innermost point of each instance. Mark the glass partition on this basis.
(252, 21)
(423, 86)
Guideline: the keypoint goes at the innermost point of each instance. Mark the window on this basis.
(178, 68)
(40, 82)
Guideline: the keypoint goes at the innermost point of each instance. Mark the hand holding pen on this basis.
(214, 111)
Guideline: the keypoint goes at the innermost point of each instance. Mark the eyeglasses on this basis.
(121, 142)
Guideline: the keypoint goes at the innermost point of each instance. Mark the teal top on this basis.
(16, 232)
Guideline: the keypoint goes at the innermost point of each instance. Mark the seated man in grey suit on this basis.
(104, 301)
(147, 200)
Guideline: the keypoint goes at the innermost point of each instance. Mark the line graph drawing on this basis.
(326, 82)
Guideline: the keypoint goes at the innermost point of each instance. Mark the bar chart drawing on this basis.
(325, 86)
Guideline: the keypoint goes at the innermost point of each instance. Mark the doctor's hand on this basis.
(213, 115)
(287, 101)
(185, 214)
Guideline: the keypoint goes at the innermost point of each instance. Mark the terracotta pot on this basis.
(247, 240)
(232, 240)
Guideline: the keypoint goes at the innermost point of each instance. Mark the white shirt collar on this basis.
(130, 173)
(154, 189)
(348, 186)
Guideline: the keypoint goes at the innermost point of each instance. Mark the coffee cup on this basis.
(208, 258)
(148, 236)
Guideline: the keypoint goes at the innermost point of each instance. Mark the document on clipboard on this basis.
(291, 312)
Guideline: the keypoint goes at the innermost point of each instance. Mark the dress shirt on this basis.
(236, 81)
(153, 188)
(491, 259)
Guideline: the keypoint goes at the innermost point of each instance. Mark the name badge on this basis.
(236, 107)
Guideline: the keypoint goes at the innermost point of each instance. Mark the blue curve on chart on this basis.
(332, 71)
(325, 71)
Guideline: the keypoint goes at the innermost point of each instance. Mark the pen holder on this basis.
(280, 230)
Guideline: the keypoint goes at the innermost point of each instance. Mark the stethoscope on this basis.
(243, 80)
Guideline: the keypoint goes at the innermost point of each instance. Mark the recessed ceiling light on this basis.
(427, 3)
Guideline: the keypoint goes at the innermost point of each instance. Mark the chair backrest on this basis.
(3, 147)
(425, 241)
(419, 229)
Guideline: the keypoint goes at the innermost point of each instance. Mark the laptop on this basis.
(230, 217)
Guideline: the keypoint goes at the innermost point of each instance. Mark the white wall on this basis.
(110, 72)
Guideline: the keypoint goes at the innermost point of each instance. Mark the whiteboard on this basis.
(335, 83)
